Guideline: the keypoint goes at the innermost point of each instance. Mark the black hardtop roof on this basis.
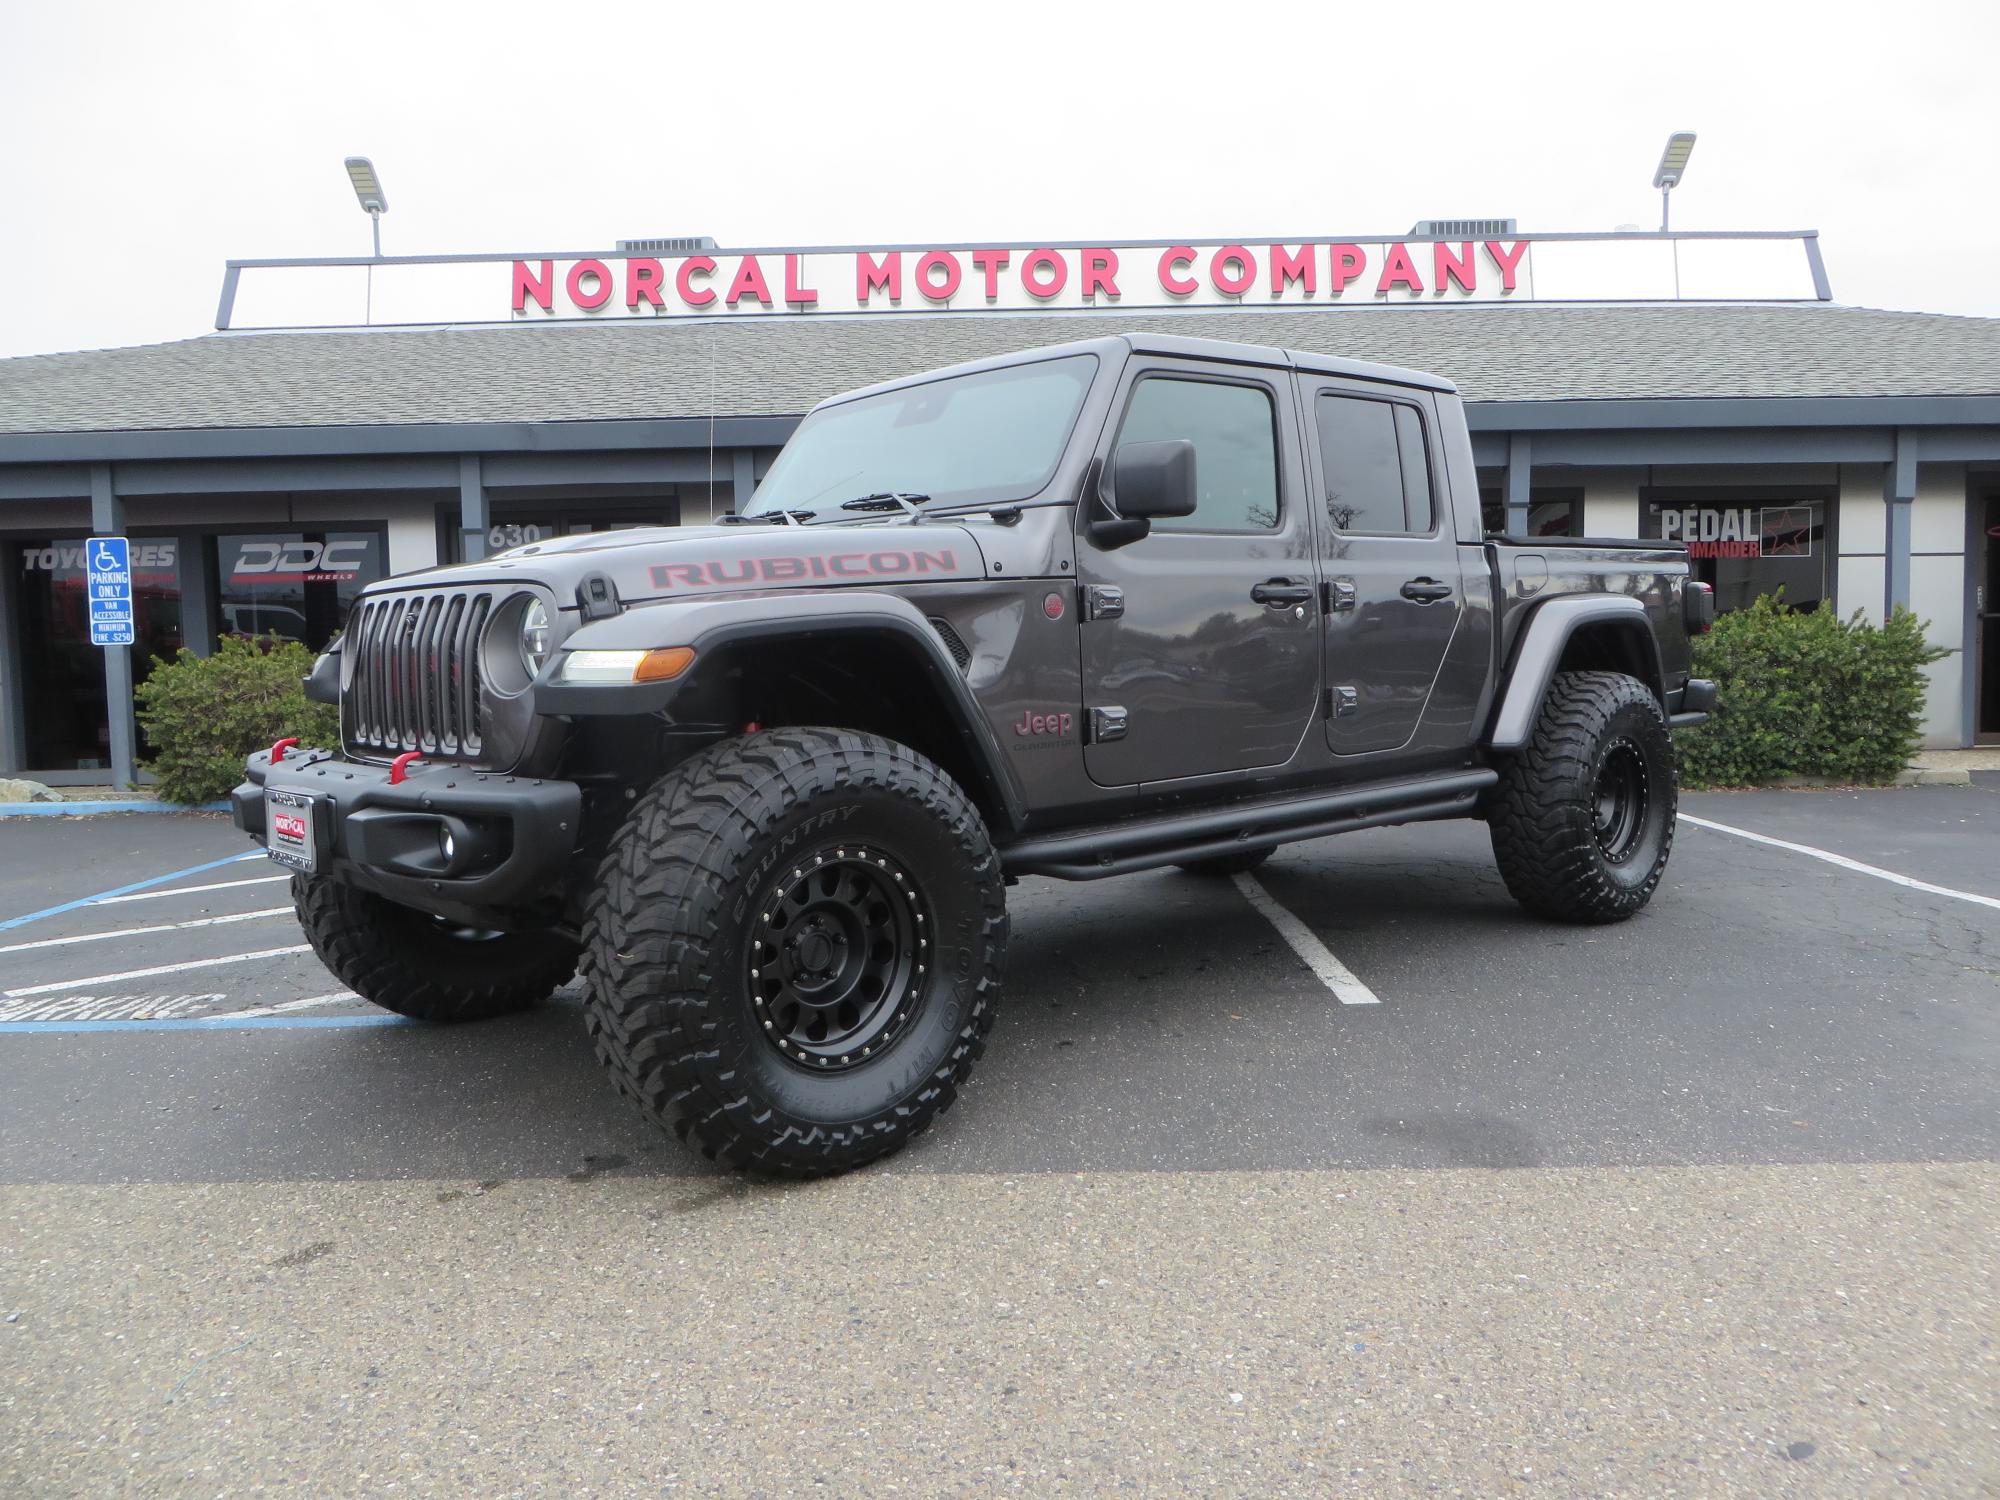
(1119, 345)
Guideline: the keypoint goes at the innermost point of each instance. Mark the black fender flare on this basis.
(713, 626)
(1540, 648)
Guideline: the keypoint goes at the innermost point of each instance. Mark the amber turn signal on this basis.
(663, 664)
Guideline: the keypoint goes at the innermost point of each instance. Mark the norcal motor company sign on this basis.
(783, 282)
(1016, 277)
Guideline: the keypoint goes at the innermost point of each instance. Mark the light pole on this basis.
(1673, 163)
(368, 188)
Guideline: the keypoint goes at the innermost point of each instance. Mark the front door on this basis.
(1394, 593)
(1201, 640)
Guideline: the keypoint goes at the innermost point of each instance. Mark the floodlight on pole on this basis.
(1673, 164)
(368, 188)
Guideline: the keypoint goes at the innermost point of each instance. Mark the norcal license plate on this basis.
(288, 829)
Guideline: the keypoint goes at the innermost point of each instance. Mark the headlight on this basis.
(600, 667)
(534, 636)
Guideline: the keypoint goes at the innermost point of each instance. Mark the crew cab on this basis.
(1085, 610)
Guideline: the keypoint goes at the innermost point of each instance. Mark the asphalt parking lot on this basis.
(1702, 1204)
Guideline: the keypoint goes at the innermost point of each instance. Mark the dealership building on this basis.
(351, 419)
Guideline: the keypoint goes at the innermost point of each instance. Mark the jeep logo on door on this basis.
(298, 562)
(1032, 723)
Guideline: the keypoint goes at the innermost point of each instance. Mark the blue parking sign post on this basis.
(108, 576)
(107, 568)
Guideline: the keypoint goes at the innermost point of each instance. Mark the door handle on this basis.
(1426, 590)
(1282, 592)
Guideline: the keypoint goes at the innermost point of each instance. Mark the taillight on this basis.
(1698, 607)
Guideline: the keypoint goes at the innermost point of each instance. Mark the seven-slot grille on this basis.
(416, 672)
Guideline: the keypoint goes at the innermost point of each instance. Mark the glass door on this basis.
(1986, 641)
(62, 674)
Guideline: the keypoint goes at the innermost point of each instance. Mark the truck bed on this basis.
(1530, 571)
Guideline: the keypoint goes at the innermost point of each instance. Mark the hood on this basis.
(667, 562)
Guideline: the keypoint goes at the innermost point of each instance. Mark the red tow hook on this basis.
(278, 750)
(399, 768)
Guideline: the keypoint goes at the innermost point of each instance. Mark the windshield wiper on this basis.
(905, 500)
(767, 518)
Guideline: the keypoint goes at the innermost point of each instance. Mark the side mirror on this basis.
(1151, 480)
(1147, 480)
(323, 681)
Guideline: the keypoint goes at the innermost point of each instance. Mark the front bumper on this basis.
(513, 836)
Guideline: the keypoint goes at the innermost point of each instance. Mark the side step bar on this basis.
(1121, 848)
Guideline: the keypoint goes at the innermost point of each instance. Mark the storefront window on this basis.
(1552, 511)
(62, 673)
(294, 585)
(1746, 547)
(518, 523)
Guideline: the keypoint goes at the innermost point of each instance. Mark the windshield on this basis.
(970, 439)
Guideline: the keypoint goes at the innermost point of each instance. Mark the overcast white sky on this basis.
(145, 144)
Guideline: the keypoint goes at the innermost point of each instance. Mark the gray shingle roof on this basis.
(559, 372)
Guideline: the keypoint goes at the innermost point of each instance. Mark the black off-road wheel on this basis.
(1228, 864)
(794, 950)
(419, 966)
(1583, 818)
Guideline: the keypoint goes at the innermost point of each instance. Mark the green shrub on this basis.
(1805, 693)
(203, 715)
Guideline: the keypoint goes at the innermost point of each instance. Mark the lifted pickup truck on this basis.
(1090, 609)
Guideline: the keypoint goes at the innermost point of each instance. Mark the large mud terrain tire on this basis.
(418, 966)
(794, 950)
(1583, 818)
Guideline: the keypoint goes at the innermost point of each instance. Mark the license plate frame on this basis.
(291, 829)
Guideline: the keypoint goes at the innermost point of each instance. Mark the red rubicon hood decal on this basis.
(674, 562)
(752, 572)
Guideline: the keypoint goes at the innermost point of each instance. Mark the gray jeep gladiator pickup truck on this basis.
(1108, 606)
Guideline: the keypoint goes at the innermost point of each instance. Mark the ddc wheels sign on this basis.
(298, 562)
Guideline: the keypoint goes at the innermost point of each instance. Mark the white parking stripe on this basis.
(187, 890)
(124, 932)
(196, 963)
(1844, 862)
(1332, 973)
(291, 1005)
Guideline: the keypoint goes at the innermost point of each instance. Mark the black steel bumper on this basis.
(512, 837)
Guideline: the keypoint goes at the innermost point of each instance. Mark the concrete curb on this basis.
(87, 809)
(1933, 776)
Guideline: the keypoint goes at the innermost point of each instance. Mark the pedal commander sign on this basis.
(1741, 531)
(1328, 272)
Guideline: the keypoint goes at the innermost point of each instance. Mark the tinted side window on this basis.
(1234, 433)
(1417, 507)
(1378, 475)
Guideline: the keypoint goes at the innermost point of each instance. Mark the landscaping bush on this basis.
(1806, 693)
(203, 715)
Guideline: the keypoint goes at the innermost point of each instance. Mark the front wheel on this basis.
(794, 950)
(1583, 818)
(422, 967)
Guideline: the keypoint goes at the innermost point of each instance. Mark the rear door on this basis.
(1200, 641)
(1393, 590)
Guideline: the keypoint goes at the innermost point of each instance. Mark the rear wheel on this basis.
(421, 966)
(794, 949)
(1583, 818)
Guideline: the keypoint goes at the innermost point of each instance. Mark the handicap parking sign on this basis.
(108, 577)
